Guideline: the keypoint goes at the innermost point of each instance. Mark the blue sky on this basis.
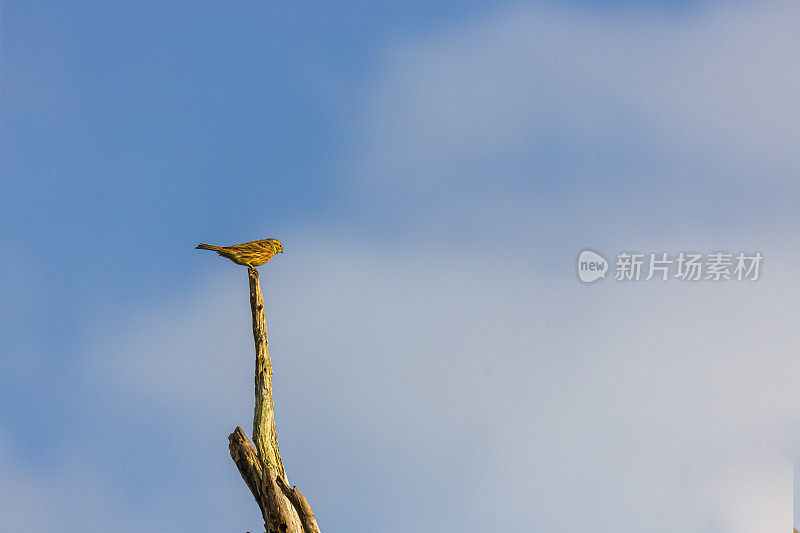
(433, 173)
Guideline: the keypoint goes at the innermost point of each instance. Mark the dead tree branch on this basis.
(284, 509)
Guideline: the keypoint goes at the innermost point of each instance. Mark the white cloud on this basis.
(750, 493)
(548, 81)
(73, 495)
(530, 397)
(185, 356)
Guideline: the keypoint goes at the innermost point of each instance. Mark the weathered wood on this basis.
(283, 516)
(245, 456)
(264, 433)
(301, 505)
(284, 509)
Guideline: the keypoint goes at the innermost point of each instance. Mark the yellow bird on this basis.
(250, 254)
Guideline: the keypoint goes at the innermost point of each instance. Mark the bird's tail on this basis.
(203, 246)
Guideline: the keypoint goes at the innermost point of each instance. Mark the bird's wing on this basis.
(253, 246)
